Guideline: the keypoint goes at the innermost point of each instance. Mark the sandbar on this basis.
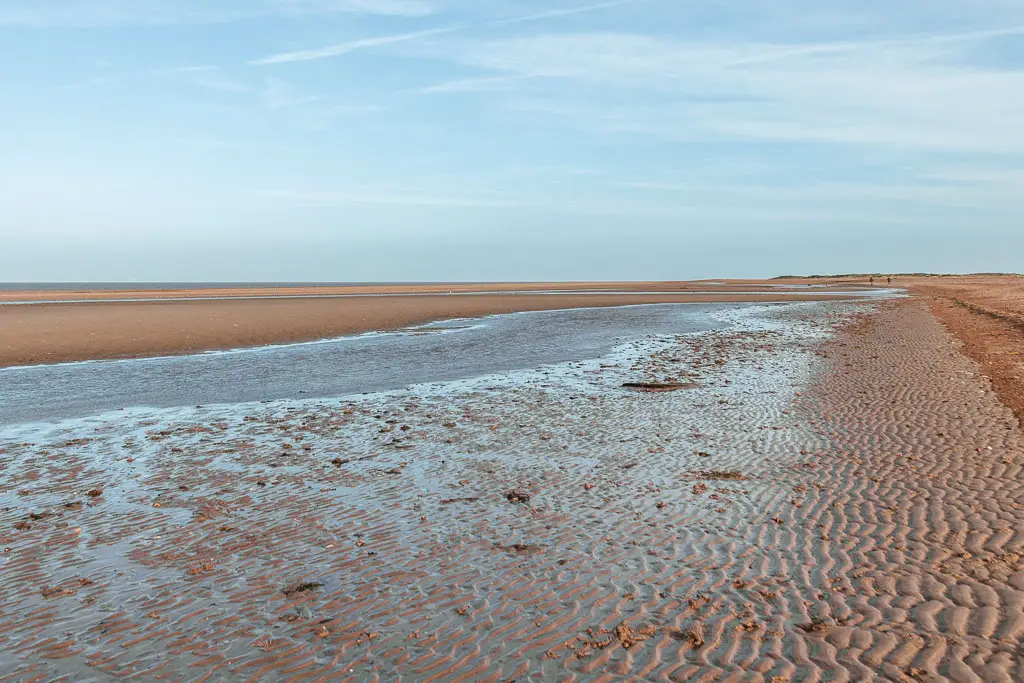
(59, 332)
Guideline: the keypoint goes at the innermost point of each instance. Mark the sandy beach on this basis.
(834, 491)
(100, 328)
(987, 314)
(984, 312)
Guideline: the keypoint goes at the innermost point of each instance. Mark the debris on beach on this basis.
(303, 587)
(629, 636)
(518, 496)
(718, 475)
(521, 548)
(656, 387)
(816, 626)
(692, 634)
(55, 592)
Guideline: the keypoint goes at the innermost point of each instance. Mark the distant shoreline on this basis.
(101, 329)
(17, 292)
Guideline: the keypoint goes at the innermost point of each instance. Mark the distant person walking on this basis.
(888, 280)
(871, 280)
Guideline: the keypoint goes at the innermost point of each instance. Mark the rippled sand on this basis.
(840, 496)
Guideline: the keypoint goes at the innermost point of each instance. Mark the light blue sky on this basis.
(512, 139)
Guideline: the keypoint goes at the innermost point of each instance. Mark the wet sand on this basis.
(52, 333)
(70, 293)
(838, 494)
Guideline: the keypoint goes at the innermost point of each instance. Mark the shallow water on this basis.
(376, 362)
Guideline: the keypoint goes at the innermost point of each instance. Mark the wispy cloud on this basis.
(279, 94)
(1002, 177)
(105, 13)
(206, 77)
(474, 85)
(351, 46)
(825, 193)
(89, 83)
(916, 92)
(556, 13)
(767, 204)
(387, 196)
(185, 70)
(401, 8)
(345, 48)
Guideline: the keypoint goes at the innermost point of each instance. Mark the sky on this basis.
(423, 140)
